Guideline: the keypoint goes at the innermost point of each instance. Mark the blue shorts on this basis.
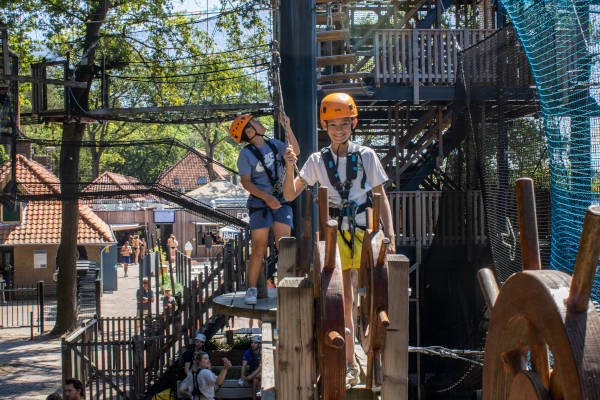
(264, 218)
(125, 259)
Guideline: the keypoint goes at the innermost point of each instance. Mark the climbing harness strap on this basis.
(196, 390)
(272, 175)
(349, 209)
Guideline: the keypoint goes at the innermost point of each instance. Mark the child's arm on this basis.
(284, 120)
(386, 216)
(292, 186)
(271, 201)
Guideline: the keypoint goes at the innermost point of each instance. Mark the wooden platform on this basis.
(233, 304)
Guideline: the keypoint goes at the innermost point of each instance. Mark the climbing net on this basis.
(562, 41)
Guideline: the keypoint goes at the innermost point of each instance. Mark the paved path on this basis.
(32, 369)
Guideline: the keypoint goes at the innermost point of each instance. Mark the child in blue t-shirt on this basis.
(261, 166)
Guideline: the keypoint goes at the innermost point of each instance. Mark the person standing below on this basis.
(352, 174)
(143, 247)
(145, 298)
(260, 165)
(126, 256)
(208, 241)
(168, 302)
(201, 383)
(172, 245)
(196, 347)
(251, 365)
(73, 389)
(135, 244)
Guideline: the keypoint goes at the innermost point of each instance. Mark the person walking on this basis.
(126, 256)
(135, 245)
(352, 173)
(260, 165)
(172, 245)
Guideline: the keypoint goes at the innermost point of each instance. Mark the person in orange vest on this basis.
(351, 173)
(260, 165)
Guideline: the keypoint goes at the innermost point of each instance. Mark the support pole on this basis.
(296, 366)
(297, 38)
(395, 357)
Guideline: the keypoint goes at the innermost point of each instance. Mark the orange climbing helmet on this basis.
(236, 131)
(337, 105)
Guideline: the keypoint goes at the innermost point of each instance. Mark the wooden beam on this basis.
(395, 356)
(20, 78)
(267, 362)
(287, 258)
(296, 367)
(343, 59)
(330, 36)
(193, 107)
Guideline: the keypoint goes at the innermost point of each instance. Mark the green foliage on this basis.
(165, 283)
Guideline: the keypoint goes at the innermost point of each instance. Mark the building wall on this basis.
(26, 274)
(125, 217)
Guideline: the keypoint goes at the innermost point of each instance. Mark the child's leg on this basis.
(349, 315)
(281, 230)
(260, 239)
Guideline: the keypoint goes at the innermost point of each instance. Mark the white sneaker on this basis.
(250, 297)
(351, 375)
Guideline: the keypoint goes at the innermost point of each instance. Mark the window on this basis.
(40, 259)
(202, 180)
(11, 215)
(176, 181)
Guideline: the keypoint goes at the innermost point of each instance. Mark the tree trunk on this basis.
(66, 318)
(66, 309)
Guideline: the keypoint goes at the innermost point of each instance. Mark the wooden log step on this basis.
(336, 17)
(343, 76)
(342, 59)
(331, 36)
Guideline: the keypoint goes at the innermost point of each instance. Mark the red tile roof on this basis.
(111, 181)
(41, 223)
(188, 170)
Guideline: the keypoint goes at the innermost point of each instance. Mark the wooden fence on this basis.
(124, 357)
(455, 218)
(422, 56)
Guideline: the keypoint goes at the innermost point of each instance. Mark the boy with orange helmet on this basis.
(260, 165)
(351, 173)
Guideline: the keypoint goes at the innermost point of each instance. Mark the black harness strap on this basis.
(272, 175)
(196, 390)
(348, 209)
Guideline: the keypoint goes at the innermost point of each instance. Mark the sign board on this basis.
(162, 217)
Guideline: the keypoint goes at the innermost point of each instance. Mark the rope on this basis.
(440, 351)
(278, 96)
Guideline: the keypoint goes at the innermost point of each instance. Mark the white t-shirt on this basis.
(206, 380)
(314, 170)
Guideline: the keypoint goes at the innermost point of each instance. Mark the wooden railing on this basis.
(454, 218)
(422, 56)
(124, 357)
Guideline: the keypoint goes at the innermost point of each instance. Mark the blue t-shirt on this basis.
(248, 164)
(252, 359)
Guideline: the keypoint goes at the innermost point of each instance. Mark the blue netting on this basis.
(562, 41)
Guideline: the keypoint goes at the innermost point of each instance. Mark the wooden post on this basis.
(138, 366)
(287, 258)
(98, 287)
(268, 361)
(66, 360)
(395, 357)
(586, 262)
(530, 248)
(295, 352)
(261, 283)
(323, 211)
(40, 288)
